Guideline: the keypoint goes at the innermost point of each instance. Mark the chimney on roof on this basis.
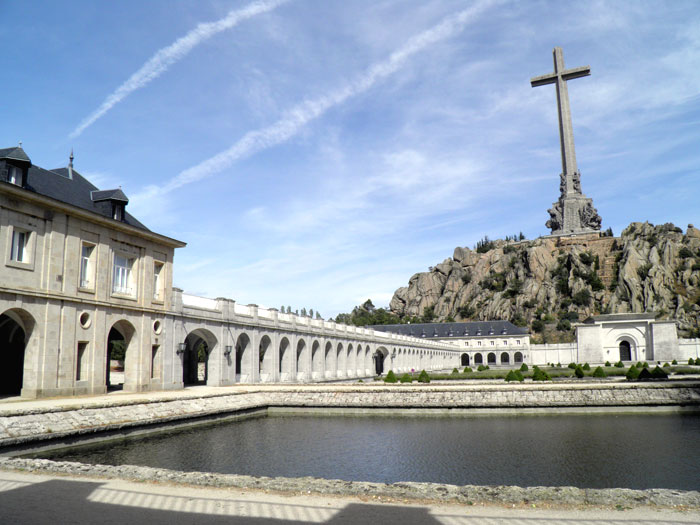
(70, 165)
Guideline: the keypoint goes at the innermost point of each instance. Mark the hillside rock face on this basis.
(647, 269)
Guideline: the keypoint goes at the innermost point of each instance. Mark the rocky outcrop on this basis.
(647, 269)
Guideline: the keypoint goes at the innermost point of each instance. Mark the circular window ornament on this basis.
(85, 320)
(157, 327)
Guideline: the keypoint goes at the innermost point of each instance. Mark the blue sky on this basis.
(317, 153)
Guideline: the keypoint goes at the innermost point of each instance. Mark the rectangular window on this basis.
(15, 176)
(157, 270)
(492, 343)
(505, 342)
(81, 364)
(87, 266)
(478, 343)
(517, 341)
(466, 343)
(20, 240)
(155, 366)
(122, 280)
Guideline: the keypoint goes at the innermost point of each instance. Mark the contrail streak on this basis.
(288, 126)
(167, 56)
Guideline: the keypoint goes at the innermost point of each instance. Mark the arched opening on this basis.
(350, 361)
(518, 357)
(195, 360)
(244, 361)
(118, 370)
(625, 351)
(478, 359)
(378, 359)
(330, 366)
(465, 359)
(15, 330)
(505, 358)
(367, 360)
(340, 360)
(302, 359)
(317, 361)
(491, 358)
(285, 366)
(266, 366)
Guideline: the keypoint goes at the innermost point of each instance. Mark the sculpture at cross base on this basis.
(573, 213)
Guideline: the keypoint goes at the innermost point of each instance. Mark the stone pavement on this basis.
(50, 499)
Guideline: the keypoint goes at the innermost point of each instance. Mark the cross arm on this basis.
(576, 72)
(543, 80)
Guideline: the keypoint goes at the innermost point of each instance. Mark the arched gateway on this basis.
(625, 351)
(15, 330)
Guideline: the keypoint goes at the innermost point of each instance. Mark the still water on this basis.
(597, 451)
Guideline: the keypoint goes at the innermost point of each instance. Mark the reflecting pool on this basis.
(596, 451)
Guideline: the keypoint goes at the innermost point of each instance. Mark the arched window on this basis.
(505, 358)
(465, 359)
(491, 358)
(518, 357)
(478, 359)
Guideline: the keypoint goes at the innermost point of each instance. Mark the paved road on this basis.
(41, 499)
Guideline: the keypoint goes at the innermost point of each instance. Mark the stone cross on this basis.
(566, 131)
(573, 213)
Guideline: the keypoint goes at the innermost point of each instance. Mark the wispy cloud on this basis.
(167, 56)
(295, 119)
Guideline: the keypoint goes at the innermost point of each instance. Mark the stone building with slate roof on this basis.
(77, 271)
(481, 342)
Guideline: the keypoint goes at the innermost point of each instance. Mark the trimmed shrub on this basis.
(690, 361)
(406, 378)
(481, 368)
(515, 375)
(659, 373)
(423, 377)
(619, 364)
(640, 365)
(390, 377)
(599, 372)
(674, 362)
(467, 370)
(645, 365)
(697, 361)
(572, 366)
(633, 373)
(666, 365)
(586, 366)
(455, 371)
(607, 363)
(523, 368)
(539, 375)
(578, 372)
(558, 365)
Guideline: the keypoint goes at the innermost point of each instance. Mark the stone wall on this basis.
(563, 353)
(23, 426)
(688, 348)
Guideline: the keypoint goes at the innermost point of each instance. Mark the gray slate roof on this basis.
(76, 191)
(16, 153)
(454, 330)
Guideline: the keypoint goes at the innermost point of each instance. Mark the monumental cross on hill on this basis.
(573, 213)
